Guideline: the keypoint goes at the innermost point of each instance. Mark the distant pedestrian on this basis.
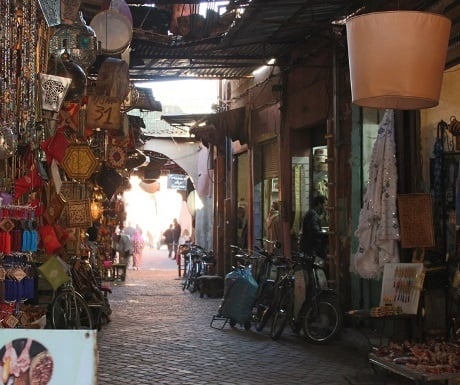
(185, 238)
(169, 239)
(150, 239)
(177, 231)
(129, 230)
(138, 246)
(121, 243)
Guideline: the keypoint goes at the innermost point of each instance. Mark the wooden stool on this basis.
(119, 271)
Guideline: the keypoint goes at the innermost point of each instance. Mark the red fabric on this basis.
(38, 207)
(55, 146)
(49, 239)
(68, 116)
(27, 183)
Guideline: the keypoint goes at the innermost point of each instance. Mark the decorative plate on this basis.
(116, 156)
(79, 213)
(6, 224)
(79, 162)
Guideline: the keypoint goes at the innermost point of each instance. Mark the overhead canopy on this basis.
(173, 40)
(213, 128)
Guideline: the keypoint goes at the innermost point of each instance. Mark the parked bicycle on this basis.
(240, 290)
(304, 300)
(197, 263)
(68, 309)
(269, 267)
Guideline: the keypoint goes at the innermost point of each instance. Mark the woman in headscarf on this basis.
(138, 246)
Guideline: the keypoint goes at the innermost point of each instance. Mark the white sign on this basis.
(401, 285)
(177, 181)
(48, 357)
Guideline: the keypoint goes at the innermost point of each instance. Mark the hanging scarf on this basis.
(378, 228)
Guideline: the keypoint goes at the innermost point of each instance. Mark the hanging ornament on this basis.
(53, 91)
(79, 39)
(64, 66)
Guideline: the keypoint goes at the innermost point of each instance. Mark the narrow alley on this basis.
(160, 334)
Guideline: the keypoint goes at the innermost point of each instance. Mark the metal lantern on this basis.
(53, 91)
(78, 39)
(64, 66)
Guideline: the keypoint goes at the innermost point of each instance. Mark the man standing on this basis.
(313, 239)
(177, 230)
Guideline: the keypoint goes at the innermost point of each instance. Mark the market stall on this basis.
(421, 363)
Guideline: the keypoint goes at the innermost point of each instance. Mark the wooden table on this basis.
(410, 330)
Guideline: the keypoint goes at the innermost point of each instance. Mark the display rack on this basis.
(411, 374)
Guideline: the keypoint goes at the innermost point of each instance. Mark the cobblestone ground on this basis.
(160, 334)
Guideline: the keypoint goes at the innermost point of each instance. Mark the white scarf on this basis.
(378, 228)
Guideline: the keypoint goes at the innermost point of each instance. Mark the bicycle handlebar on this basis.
(276, 244)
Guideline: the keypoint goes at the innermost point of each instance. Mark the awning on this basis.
(214, 128)
(233, 123)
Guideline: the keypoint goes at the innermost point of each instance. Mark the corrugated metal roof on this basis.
(266, 29)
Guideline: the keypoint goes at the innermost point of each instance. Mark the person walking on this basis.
(121, 243)
(168, 239)
(177, 231)
(138, 246)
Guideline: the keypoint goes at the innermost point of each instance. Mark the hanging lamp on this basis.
(397, 58)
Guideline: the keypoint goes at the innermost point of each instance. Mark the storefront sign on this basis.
(56, 356)
(177, 182)
(103, 112)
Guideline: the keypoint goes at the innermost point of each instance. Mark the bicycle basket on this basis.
(54, 272)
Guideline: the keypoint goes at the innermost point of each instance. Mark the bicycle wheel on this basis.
(186, 283)
(281, 314)
(193, 284)
(69, 310)
(323, 319)
(262, 307)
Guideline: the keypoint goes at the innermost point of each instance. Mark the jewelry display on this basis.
(18, 58)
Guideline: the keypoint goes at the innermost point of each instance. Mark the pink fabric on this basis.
(138, 246)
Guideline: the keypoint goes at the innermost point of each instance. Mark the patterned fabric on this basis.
(378, 228)
(138, 246)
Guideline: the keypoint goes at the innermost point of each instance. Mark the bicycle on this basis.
(240, 290)
(197, 263)
(266, 277)
(68, 309)
(319, 316)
